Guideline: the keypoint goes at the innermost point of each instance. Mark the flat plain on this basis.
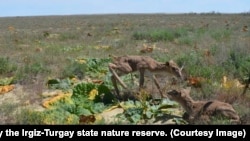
(214, 49)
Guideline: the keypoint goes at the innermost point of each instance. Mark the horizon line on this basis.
(139, 13)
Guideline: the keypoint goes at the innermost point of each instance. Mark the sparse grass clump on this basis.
(8, 112)
(220, 35)
(7, 66)
(160, 34)
(68, 36)
(74, 68)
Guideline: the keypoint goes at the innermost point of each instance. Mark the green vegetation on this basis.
(160, 34)
(7, 66)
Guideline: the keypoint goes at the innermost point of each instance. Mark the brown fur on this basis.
(202, 111)
(128, 64)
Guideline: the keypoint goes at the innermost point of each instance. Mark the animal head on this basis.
(176, 70)
(179, 95)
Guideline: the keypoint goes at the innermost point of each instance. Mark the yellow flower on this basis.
(92, 94)
(81, 61)
(74, 80)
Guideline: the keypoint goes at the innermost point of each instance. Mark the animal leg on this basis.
(229, 113)
(115, 85)
(158, 85)
(141, 83)
(117, 77)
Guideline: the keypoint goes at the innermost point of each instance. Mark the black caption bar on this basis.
(81, 131)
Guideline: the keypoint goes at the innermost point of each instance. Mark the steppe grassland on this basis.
(210, 46)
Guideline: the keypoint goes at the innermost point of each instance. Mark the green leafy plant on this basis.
(97, 67)
(63, 84)
(6, 81)
(90, 98)
(180, 121)
(86, 99)
(134, 115)
(141, 111)
(83, 91)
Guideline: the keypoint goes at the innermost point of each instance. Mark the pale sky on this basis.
(72, 7)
